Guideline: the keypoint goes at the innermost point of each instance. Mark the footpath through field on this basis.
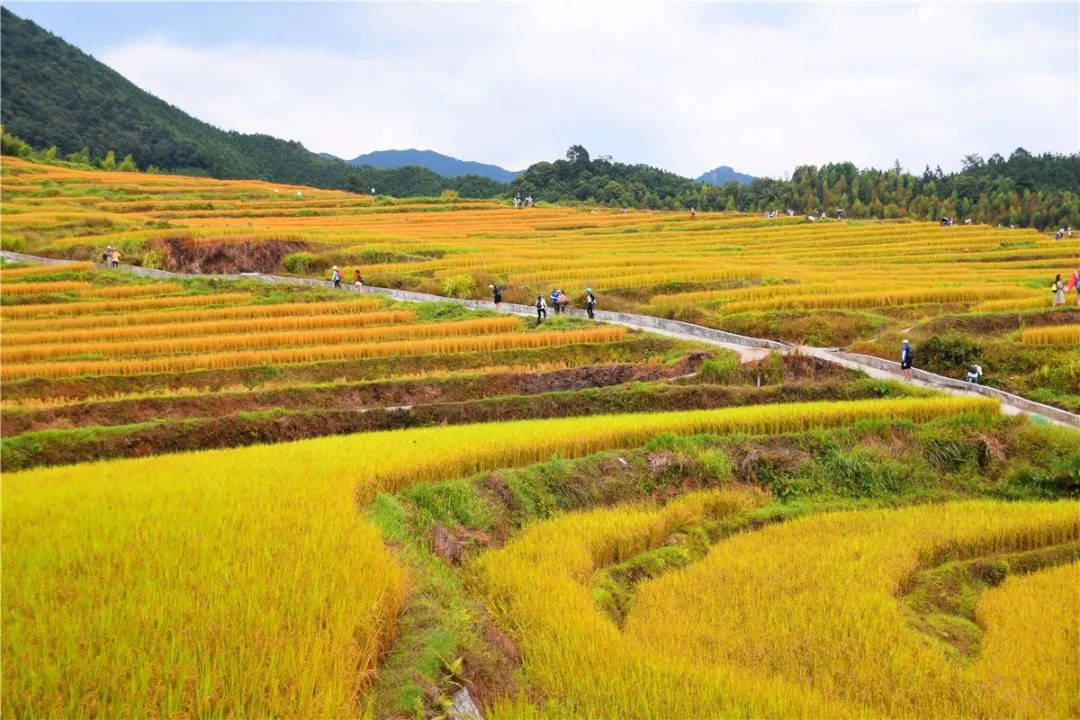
(748, 348)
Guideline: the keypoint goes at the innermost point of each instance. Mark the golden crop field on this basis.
(230, 498)
(802, 620)
(864, 285)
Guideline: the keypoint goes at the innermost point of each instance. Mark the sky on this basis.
(685, 87)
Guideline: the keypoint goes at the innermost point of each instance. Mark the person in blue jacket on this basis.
(907, 357)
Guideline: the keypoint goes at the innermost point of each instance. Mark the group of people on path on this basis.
(335, 275)
(559, 300)
(1063, 232)
(520, 202)
(1061, 287)
(110, 257)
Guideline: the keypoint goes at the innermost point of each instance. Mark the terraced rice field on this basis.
(227, 498)
(864, 285)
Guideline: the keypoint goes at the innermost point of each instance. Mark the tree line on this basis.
(1025, 190)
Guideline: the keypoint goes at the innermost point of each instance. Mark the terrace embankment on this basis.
(438, 528)
(161, 425)
(190, 255)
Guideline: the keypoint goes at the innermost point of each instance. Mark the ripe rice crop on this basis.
(181, 314)
(192, 588)
(843, 631)
(793, 620)
(212, 327)
(320, 353)
(7, 274)
(261, 340)
(44, 288)
(1031, 641)
(883, 298)
(230, 606)
(1051, 335)
(161, 288)
(1029, 303)
(105, 306)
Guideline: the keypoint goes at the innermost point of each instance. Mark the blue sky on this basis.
(686, 87)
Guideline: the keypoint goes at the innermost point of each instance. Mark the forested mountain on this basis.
(724, 174)
(442, 164)
(1024, 190)
(53, 94)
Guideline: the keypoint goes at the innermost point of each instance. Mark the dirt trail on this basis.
(748, 349)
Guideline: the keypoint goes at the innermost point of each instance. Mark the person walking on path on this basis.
(496, 296)
(907, 357)
(590, 302)
(335, 275)
(974, 373)
(541, 309)
(1058, 288)
(554, 295)
(358, 282)
(563, 301)
(113, 256)
(1076, 284)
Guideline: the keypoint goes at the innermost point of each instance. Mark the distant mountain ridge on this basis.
(437, 162)
(724, 174)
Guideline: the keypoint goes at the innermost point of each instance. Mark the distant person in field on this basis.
(693, 212)
(563, 301)
(1068, 231)
(1058, 288)
(590, 302)
(496, 296)
(113, 257)
(335, 275)
(1059, 234)
(1076, 285)
(358, 281)
(554, 295)
(541, 309)
(974, 373)
(907, 357)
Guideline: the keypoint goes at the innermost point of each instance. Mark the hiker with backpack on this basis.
(563, 301)
(335, 275)
(358, 282)
(907, 357)
(541, 309)
(496, 296)
(554, 295)
(590, 302)
(974, 373)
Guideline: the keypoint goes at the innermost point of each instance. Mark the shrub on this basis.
(459, 286)
(154, 259)
(949, 354)
(297, 262)
(720, 369)
(13, 243)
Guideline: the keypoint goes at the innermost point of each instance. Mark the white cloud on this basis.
(679, 86)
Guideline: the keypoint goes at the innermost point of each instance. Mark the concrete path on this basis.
(748, 348)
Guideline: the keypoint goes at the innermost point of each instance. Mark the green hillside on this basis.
(52, 93)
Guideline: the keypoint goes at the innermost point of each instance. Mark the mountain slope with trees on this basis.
(1023, 190)
(54, 95)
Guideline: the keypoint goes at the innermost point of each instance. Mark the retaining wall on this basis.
(1028, 406)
